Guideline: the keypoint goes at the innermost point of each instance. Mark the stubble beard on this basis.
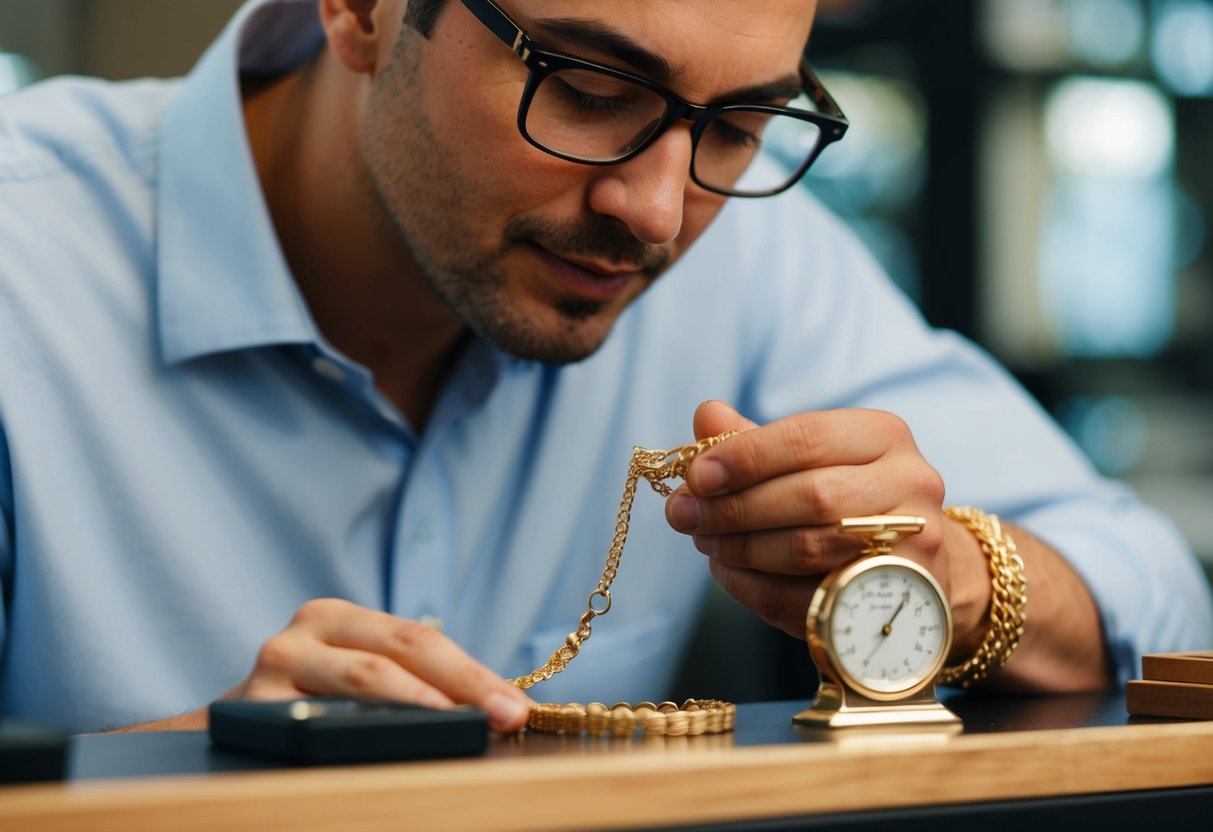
(426, 194)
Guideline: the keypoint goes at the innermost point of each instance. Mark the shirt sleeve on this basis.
(6, 540)
(838, 333)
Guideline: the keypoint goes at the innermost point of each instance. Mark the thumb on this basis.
(716, 417)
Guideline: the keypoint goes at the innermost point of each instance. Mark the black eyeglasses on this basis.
(597, 115)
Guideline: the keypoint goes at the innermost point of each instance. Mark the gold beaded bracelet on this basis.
(695, 717)
(1007, 601)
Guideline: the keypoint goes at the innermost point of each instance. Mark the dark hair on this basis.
(422, 14)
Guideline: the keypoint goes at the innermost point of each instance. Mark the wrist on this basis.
(1008, 598)
(969, 589)
(193, 721)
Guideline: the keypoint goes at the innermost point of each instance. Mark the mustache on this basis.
(590, 238)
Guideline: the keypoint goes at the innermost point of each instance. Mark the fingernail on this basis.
(507, 713)
(711, 477)
(684, 513)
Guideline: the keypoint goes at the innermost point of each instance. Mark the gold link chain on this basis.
(1008, 600)
(656, 467)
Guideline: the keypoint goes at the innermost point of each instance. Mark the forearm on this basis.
(1063, 647)
(193, 721)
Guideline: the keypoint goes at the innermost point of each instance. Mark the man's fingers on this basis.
(405, 660)
(807, 550)
(445, 665)
(263, 688)
(781, 601)
(815, 497)
(325, 670)
(713, 418)
(797, 443)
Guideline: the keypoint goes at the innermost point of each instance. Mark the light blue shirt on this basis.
(184, 461)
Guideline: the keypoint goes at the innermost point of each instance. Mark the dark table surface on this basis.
(1103, 783)
(175, 753)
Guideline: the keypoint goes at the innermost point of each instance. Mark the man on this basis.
(325, 363)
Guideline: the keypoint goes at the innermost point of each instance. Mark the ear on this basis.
(355, 30)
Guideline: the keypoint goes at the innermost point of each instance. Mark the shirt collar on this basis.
(223, 281)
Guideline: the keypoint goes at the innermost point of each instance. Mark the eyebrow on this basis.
(605, 40)
(786, 88)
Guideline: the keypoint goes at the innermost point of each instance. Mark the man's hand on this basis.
(335, 648)
(763, 507)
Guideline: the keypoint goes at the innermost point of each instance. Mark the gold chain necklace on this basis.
(695, 716)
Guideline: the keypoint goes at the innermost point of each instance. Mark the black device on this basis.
(31, 751)
(329, 731)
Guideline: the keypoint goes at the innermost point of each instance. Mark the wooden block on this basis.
(1195, 667)
(1175, 699)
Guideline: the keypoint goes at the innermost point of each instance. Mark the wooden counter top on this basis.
(539, 782)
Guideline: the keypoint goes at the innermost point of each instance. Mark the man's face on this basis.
(538, 254)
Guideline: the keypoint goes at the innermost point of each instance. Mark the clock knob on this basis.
(881, 531)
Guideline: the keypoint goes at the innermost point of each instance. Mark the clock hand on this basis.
(888, 628)
(868, 657)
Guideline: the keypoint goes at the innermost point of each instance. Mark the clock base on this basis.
(835, 709)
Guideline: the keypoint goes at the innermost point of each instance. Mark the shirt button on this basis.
(329, 369)
(432, 621)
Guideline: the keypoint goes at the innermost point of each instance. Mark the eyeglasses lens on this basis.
(591, 115)
(596, 117)
(754, 152)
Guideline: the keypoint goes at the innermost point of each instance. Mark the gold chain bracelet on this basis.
(703, 716)
(667, 719)
(1007, 601)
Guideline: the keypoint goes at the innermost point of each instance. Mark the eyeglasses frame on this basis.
(542, 62)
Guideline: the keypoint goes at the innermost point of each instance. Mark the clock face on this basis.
(888, 626)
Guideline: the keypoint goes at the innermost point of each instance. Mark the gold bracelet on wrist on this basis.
(1007, 601)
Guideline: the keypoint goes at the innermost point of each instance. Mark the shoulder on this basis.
(77, 164)
(779, 255)
(791, 244)
(77, 207)
(69, 125)
(77, 169)
(796, 230)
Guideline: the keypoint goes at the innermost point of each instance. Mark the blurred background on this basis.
(1035, 174)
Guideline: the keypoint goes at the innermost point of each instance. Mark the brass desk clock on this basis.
(879, 630)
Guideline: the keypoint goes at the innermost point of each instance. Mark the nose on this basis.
(646, 193)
